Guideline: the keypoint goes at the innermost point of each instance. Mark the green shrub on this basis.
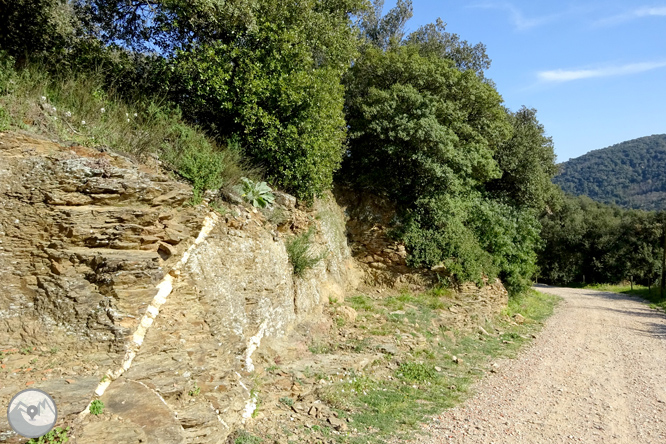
(259, 194)
(7, 72)
(196, 390)
(36, 27)
(56, 436)
(244, 437)
(300, 256)
(96, 407)
(4, 119)
(287, 401)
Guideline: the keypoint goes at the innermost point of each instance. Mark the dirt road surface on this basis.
(595, 374)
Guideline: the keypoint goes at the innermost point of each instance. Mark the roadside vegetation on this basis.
(651, 294)
(431, 368)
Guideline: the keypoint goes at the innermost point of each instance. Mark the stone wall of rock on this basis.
(381, 258)
(89, 237)
(85, 236)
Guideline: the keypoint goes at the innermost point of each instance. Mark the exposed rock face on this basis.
(83, 238)
(86, 238)
(382, 259)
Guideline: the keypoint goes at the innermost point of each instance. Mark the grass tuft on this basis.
(300, 256)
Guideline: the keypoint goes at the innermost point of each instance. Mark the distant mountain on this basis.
(631, 174)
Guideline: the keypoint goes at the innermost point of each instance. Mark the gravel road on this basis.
(595, 374)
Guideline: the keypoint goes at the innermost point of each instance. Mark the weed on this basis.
(216, 206)
(258, 194)
(26, 351)
(287, 401)
(319, 349)
(96, 407)
(196, 390)
(258, 402)
(5, 119)
(326, 431)
(244, 437)
(416, 372)
(300, 256)
(55, 436)
(54, 350)
(340, 321)
(272, 368)
(361, 303)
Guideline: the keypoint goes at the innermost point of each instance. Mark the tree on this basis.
(418, 126)
(434, 40)
(266, 72)
(36, 27)
(527, 163)
(425, 134)
(388, 30)
(384, 31)
(587, 241)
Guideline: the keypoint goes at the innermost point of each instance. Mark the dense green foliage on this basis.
(587, 241)
(266, 72)
(36, 27)
(416, 116)
(527, 161)
(629, 174)
(430, 133)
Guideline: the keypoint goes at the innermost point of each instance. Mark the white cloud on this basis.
(651, 11)
(646, 11)
(519, 20)
(561, 75)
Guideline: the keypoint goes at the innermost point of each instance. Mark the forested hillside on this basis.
(629, 174)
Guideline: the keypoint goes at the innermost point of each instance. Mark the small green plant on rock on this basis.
(57, 435)
(287, 401)
(299, 253)
(196, 390)
(96, 407)
(258, 194)
(244, 437)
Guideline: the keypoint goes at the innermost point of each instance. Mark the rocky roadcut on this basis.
(594, 375)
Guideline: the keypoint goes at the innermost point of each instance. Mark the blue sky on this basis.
(594, 70)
